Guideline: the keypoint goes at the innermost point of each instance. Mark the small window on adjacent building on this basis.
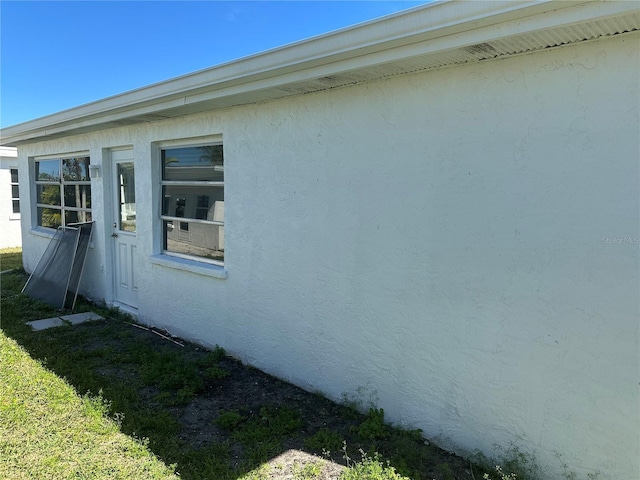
(193, 202)
(63, 191)
(15, 191)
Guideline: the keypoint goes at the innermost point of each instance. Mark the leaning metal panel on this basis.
(78, 263)
(50, 279)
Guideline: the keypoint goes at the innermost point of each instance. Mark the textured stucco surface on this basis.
(461, 242)
(10, 231)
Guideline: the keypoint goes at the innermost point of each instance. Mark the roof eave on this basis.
(322, 62)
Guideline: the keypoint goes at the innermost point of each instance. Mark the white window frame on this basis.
(14, 214)
(62, 183)
(161, 146)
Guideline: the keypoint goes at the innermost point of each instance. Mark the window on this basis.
(15, 190)
(193, 202)
(63, 191)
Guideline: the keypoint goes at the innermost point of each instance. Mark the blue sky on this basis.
(58, 55)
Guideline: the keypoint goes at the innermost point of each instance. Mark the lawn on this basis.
(113, 399)
(47, 430)
(10, 258)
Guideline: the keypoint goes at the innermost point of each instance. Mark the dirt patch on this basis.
(275, 428)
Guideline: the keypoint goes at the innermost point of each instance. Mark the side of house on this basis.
(10, 231)
(461, 242)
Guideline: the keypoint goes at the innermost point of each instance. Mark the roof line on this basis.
(437, 26)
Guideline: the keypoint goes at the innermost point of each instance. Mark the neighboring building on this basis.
(440, 206)
(10, 231)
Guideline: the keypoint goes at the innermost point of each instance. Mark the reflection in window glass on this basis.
(15, 191)
(193, 201)
(75, 169)
(202, 207)
(181, 202)
(66, 199)
(76, 216)
(48, 170)
(77, 196)
(193, 163)
(48, 194)
(49, 217)
(127, 196)
(206, 241)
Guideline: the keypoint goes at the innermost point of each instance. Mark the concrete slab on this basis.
(46, 323)
(77, 318)
(73, 319)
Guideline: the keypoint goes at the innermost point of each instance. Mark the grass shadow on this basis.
(205, 412)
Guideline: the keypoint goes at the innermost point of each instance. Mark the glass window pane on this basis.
(71, 216)
(193, 163)
(127, 196)
(201, 240)
(48, 194)
(15, 191)
(77, 196)
(14, 175)
(75, 169)
(202, 207)
(16, 206)
(189, 201)
(48, 170)
(49, 217)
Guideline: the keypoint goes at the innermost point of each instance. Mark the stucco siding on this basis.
(462, 243)
(10, 235)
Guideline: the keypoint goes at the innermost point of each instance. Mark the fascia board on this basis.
(8, 152)
(451, 41)
(436, 27)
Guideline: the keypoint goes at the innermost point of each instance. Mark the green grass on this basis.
(136, 387)
(108, 400)
(48, 431)
(10, 258)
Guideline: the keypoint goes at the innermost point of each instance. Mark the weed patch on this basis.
(324, 441)
(369, 468)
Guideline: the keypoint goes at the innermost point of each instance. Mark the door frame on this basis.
(116, 156)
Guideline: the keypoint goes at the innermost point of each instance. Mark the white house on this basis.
(10, 231)
(441, 206)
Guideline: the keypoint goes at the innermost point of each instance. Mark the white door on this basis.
(124, 228)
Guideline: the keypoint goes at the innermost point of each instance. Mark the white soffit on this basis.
(432, 36)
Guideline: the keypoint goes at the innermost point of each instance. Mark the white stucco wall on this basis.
(10, 231)
(462, 242)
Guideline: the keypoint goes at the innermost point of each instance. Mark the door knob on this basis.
(114, 234)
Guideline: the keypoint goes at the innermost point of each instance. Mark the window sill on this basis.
(43, 232)
(14, 216)
(49, 233)
(192, 266)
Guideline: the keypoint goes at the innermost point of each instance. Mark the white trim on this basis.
(60, 156)
(11, 152)
(121, 154)
(170, 218)
(202, 141)
(194, 183)
(188, 265)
